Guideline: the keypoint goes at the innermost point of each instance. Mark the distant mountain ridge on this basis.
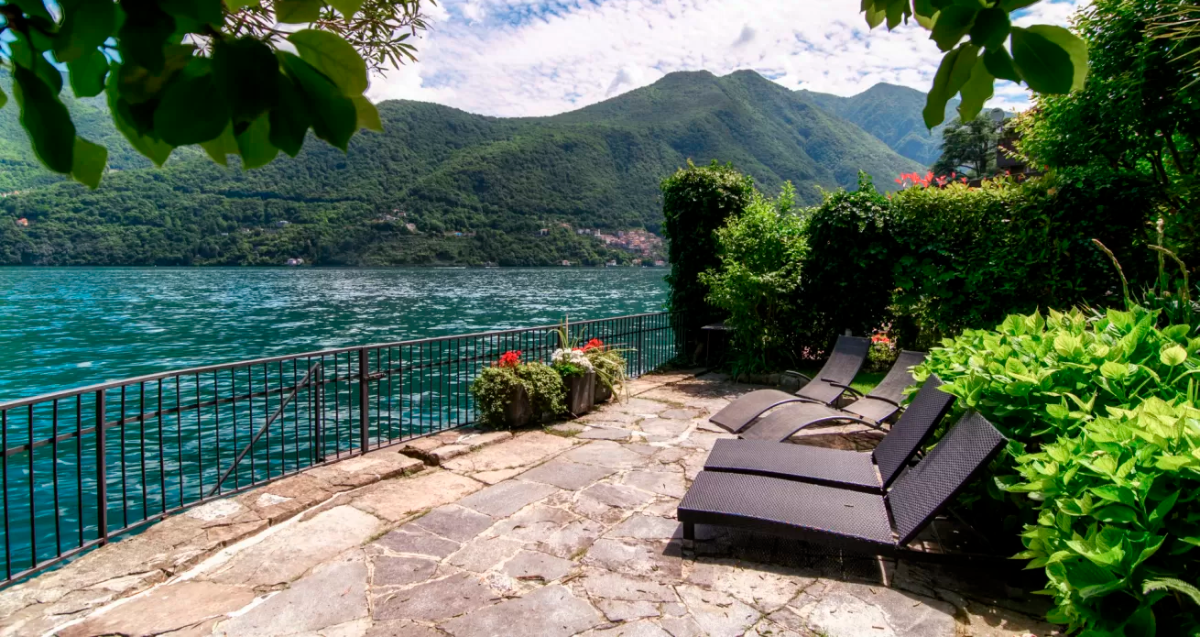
(400, 196)
(892, 114)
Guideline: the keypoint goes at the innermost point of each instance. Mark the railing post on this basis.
(364, 401)
(319, 416)
(641, 344)
(101, 472)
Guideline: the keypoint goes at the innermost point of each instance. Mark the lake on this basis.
(67, 327)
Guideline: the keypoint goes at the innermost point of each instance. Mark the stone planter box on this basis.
(519, 410)
(602, 392)
(581, 394)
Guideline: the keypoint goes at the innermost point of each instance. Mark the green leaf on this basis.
(289, 119)
(368, 115)
(87, 74)
(952, 24)
(248, 71)
(1141, 623)
(333, 56)
(45, 120)
(86, 25)
(975, 92)
(1045, 66)
(924, 11)
(1075, 47)
(3, 99)
(990, 29)
(88, 163)
(334, 118)
(346, 7)
(155, 150)
(875, 17)
(255, 144)
(1115, 513)
(1177, 332)
(192, 111)
(34, 8)
(1114, 370)
(143, 37)
(27, 56)
(1172, 356)
(952, 74)
(200, 11)
(297, 11)
(1000, 64)
(237, 5)
(220, 148)
(1013, 5)
(1170, 583)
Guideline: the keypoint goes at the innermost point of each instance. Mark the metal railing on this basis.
(80, 467)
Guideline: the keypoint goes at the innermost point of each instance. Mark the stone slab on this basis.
(655, 560)
(551, 611)
(845, 609)
(535, 566)
(165, 609)
(565, 474)
(604, 453)
(413, 539)
(604, 434)
(289, 553)
(504, 499)
(524, 450)
(666, 483)
(483, 554)
(388, 570)
(397, 500)
(454, 522)
(436, 600)
(602, 584)
(718, 615)
(332, 594)
(647, 527)
(533, 523)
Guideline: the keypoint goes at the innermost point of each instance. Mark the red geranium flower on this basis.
(509, 359)
(595, 343)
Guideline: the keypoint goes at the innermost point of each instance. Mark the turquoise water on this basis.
(66, 327)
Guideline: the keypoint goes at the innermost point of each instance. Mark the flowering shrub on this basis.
(883, 351)
(570, 362)
(496, 385)
(608, 363)
(909, 180)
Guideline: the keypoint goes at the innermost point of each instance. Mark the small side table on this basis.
(708, 330)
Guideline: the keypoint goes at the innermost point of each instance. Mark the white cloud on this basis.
(541, 57)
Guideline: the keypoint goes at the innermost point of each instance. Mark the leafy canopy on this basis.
(970, 145)
(177, 73)
(982, 45)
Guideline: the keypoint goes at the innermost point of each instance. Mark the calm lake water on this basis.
(66, 327)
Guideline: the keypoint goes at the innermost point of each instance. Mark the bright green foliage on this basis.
(185, 73)
(493, 389)
(973, 34)
(758, 281)
(697, 200)
(1101, 411)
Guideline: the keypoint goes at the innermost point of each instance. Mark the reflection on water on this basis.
(66, 327)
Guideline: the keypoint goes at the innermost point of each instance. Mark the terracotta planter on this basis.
(518, 411)
(580, 393)
(603, 392)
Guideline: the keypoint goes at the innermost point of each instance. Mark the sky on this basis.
(541, 57)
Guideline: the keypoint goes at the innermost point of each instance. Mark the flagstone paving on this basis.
(559, 533)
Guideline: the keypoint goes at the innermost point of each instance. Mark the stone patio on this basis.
(565, 532)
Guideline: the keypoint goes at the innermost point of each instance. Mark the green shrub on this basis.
(758, 281)
(494, 386)
(696, 201)
(1101, 412)
(847, 267)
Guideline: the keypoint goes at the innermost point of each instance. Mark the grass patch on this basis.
(864, 382)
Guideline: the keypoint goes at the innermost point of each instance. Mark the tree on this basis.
(1049, 59)
(697, 200)
(178, 73)
(1138, 114)
(970, 145)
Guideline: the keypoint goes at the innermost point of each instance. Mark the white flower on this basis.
(571, 356)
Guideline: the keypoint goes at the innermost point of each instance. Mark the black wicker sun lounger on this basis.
(879, 524)
(872, 472)
(871, 410)
(831, 382)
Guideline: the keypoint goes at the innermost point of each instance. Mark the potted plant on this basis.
(609, 365)
(511, 393)
(883, 352)
(578, 377)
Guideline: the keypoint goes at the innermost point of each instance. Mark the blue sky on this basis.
(541, 57)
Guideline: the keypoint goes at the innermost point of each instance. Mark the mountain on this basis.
(438, 186)
(893, 114)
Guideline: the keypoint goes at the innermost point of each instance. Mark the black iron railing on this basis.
(80, 467)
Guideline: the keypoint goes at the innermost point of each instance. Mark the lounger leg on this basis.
(689, 531)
